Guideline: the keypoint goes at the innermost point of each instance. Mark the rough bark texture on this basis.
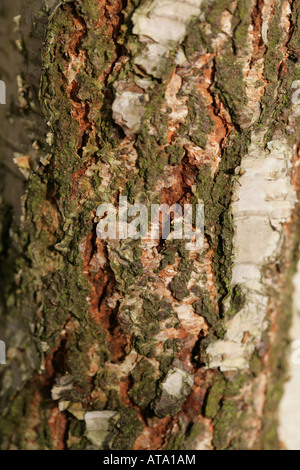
(145, 345)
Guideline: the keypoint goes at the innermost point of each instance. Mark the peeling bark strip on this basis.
(123, 344)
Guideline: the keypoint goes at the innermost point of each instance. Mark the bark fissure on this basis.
(141, 343)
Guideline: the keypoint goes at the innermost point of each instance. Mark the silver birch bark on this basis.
(137, 344)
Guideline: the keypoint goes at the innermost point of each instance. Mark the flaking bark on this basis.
(139, 345)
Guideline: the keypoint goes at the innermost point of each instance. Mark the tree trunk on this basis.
(143, 344)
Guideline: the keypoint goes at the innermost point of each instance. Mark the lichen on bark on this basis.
(130, 344)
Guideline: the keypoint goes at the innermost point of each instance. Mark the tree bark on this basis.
(137, 344)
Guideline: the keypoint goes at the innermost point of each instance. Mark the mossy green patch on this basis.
(144, 388)
(215, 394)
(126, 430)
(230, 83)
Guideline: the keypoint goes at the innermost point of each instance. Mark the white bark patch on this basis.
(286, 13)
(295, 109)
(189, 319)
(296, 93)
(165, 21)
(289, 411)
(176, 381)
(267, 13)
(178, 106)
(161, 25)
(128, 108)
(97, 426)
(263, 201)
(152, 59)
(296, 297)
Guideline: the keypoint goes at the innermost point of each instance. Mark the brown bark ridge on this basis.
(138, 344)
